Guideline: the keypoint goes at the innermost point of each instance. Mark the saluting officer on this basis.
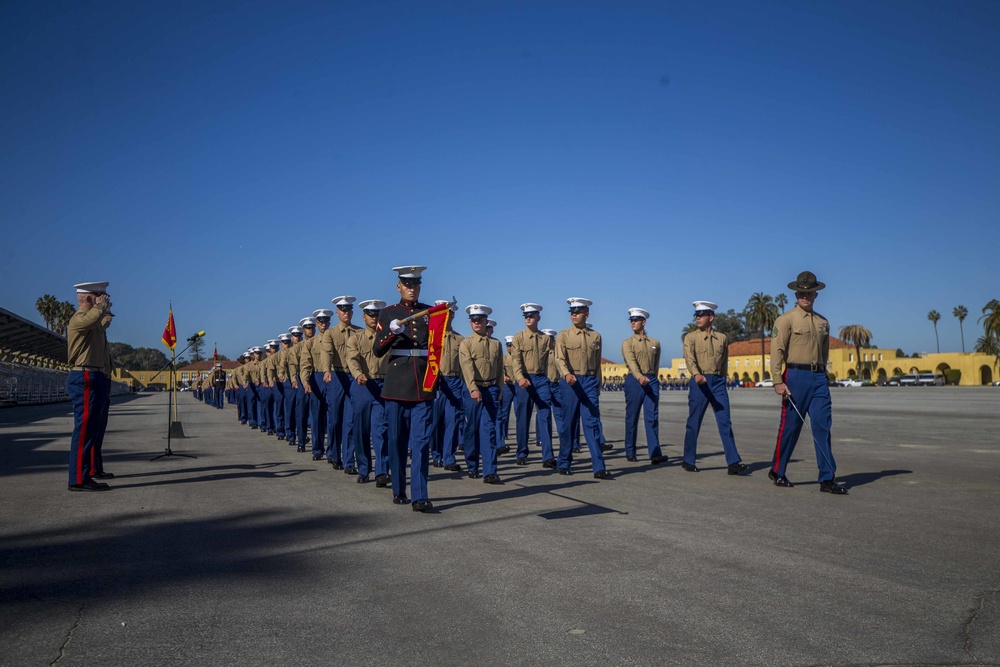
(409, 408)
(86, 383)
(336, 375)
(449, 406)
(706, 353)
(369, 426)
(481, 359)
(642, 391)
(800, 348)
(531, 357)
(312, 379)
(578, 355)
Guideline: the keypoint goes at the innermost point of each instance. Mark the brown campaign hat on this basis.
(806, 282)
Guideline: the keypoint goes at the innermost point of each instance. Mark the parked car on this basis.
(894, 381)
(930, 379)
(908, 381)
(765, 383)
(850, 382)
(996, 383)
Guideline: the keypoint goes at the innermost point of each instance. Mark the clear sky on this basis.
(249, 161)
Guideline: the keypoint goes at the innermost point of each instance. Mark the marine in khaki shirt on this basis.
(481, 359)
(642, 356)
(531, 349)
(309, 357)
(86, 342)
(450, 366)
(799, 337)
(706, 353)
(361, 359)
(578, 352)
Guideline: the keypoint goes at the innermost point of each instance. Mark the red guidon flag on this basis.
(169, 337)
(437, 325)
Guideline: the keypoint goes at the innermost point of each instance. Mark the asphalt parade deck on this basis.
(253, 554)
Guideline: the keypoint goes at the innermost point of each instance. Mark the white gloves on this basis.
(396, 328)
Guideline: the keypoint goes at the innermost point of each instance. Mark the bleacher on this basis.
(31, 385)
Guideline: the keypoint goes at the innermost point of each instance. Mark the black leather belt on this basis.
(814, 368)
(486, 384)
(376, 377)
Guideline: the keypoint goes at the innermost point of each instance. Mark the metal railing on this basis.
(33, 385)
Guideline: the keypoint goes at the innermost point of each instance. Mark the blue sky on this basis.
(250, 161)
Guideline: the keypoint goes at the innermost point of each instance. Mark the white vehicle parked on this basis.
(765, 383)
(850, 382)
(930, 380)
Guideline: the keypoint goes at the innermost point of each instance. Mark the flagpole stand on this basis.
(174, 427)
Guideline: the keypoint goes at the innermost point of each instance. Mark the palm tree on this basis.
(782, 301)
(991, 319)
(934, 316)
(989, 345)
(46, 306)
(760, 313)
(961, 312)
(859, 337)
(63, 313)
(688, 329)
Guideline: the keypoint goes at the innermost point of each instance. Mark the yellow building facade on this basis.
(877, 364)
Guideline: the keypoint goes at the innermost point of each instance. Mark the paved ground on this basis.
(252, 554)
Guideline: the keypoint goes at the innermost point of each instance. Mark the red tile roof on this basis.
(751, 347)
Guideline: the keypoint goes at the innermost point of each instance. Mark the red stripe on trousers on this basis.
(83, 427)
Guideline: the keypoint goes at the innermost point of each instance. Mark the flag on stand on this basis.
(215, 353)
(169, 337)
(437, 325)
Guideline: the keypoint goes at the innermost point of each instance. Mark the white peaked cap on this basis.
(579, 302)
(638, 312)
(412, 272)
(509, 339)
(343, 300)
(90, 288)
(550, 332)
(478, 309)
(491, 323)
(705, 305)
(372, 304)
(295, 330)
(322, 312)
(285, 338)
(307, 321)
(530, 308)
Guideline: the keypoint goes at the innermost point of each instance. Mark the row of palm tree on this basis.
(991, 326)
(55, 314)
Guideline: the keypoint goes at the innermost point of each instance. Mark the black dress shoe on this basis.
(522, 461)
(831, 486)
(551, 463)
(606, 446)
(306, 440)
(492, 479)
(631, 459)
(317, 457)
(503, 449)
(253, 427)
(338, 465)
(474, 475)
(382, 481)
(737, 468)
(300, 448)
(453, 467)
(657, 460)
(363, 479)
(400, 499)
(422, 506)
(779, 481)
(270, 432)
(89, 485)
(577, 450)
(565, 471)
(436, 464)
(104, 475)
(350, 470)
(281, 437)
(690, 468)
(602, 474)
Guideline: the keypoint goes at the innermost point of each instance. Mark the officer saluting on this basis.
(409, 409)
(87, 383)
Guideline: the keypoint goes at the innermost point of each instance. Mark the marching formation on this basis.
(408, 385)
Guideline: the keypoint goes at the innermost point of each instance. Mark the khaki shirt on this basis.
(508, 368)
(361, 359)
(578, 351)
(281, 364)
(85, 339)
(109, 364)
(799, 337)
(271, 368)
(450, 365)
(481, 358)
(642, 355)
(531, 352)
(292, 361)
(252, 372)
(706, 353)
(553, 371)
(309, 358)
(333, 347)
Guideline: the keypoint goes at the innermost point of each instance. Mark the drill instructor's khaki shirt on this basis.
(799, 337)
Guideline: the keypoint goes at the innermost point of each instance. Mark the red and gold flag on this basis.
(437, 325)
(169, 337)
